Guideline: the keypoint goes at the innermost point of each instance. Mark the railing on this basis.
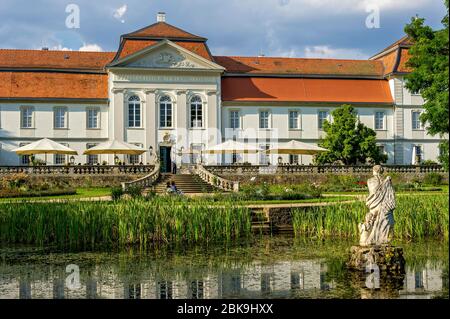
(314, 169)
(78, 170)
(146, 181)
(217, 181)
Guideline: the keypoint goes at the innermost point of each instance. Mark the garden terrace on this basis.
(323, 169)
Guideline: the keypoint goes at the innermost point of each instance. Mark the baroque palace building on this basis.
(165, 91)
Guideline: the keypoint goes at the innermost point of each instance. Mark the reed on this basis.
(416, 217)
(141, 222)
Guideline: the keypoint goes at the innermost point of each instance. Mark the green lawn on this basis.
(81, 193)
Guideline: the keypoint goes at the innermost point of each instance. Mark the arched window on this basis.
(196, 112)
(134, 111)
(165, 111)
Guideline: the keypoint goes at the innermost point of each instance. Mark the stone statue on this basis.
(378, 226)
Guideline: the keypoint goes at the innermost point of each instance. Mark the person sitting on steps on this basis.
(169, 189)
(175, 190)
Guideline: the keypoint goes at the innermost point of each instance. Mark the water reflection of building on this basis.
(423, 282)
(281, 279)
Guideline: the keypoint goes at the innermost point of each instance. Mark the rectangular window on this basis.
(234, 120)
(381, 149)
(196, 289)
(60, 159)
(60, 117)
(26, 117)
(263, 156)
(293, 159)
(25, 159)
(134, 114)
(93, 118)
(416, 123)
(91, 159)
(135, 159)
(293, 120)
(196, 115)
(418, 154)
(165, 290)
(165, 115)
(379, 120)
(322, 117)
(196, 153)
(264, 119)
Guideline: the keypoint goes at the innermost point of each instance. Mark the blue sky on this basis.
(295, 28)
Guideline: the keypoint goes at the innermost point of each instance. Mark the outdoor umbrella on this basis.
(44, 146)
(296, 148)
(232, 147)
(115, 147)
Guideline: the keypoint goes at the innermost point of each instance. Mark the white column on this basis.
(181, 125)
(151, 123)
(118, 129)
(213, 126)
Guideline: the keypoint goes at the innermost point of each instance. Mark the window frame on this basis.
(172, 109)
(131, 101)
(269, 126)
(298, 120)
(238, 119)
(320, 121)
(22, 110)
(384, 121)
(91, 109)
(420, 128)
(56, 156)
(202, 113)
(131, 158)
(88, 157)
(56, 120)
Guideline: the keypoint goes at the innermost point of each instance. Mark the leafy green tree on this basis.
(429, 62)
(348, 140)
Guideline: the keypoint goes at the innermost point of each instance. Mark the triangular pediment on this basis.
(166, 55)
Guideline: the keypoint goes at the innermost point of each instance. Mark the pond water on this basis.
(265, 267)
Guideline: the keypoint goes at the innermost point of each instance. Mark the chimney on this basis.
(161, 17)
(44, 49)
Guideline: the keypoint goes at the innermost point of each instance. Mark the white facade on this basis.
(194, 118)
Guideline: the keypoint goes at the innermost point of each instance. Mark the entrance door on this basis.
(166, 161)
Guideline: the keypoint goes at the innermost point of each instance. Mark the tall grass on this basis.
(416, 217)
(94, 224)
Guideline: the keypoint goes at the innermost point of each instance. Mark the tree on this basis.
(348, 140)
(429, 62)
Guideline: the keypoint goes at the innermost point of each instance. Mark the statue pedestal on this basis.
(387, 259)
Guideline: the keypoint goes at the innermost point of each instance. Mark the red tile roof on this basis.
(40, 59)
(53, 85)
(300, 66)
(163, 30)
(263, 89)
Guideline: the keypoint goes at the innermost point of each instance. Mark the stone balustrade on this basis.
(323, 169)
(78, 170)
(217, 181)
(146, 181)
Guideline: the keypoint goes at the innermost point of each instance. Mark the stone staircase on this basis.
(187, 183)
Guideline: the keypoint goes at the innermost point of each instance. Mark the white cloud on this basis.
(59, 47)
(324, 51)
(91, 48)
(120, 12)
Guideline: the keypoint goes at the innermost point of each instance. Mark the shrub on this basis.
(15, 180)
(116, 193)
(434, 179)
(428, 163)
(134, 191)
